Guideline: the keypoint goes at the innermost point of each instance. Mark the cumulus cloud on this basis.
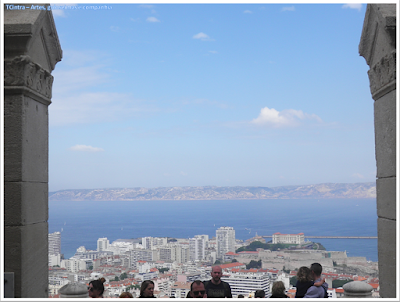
(356, 6)
(152, 19)
(285, 118)
(288, 8)
(247, 12)
(85, 148)
(202, 36)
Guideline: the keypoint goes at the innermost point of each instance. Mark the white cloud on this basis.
(85, 148)
(358, 175)
(202, 36)
(356, 6)
(285, 118)
(288, 8)
(183, 173)
(213, 51)
(247, 12)
(152, 19)
(114, 28)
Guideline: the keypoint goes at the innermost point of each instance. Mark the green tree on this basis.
(293, 281)
(339, 283)
(254, 264)
(164, 269)
(123, 276)
(217, 262)
(234, 260)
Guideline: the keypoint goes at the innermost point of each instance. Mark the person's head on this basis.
(304, 274)
(96, 288)
(125, 295)
(197, 289)
(147, 289)
(316, 270)
(278, 288)
(216, 274)
(240, 296)
(259, 294)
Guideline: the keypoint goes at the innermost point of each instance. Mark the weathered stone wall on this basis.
(378, 47)
(31, 50)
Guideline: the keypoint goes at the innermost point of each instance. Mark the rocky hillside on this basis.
(319, 191)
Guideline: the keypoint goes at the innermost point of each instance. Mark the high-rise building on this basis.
(197, 248)
(225, 241)
(102, 244)
(247, 283)
(55, 243)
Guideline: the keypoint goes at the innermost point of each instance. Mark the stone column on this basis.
(31, 50)
(357, 289)
(74, 290)
(378, 47)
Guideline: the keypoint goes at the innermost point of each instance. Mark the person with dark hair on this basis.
(259, 294)
(126, 295)
(240, 296)
(317, 291)
(96, 288)
(147, 289)
(216, 288)
(197, 289)
(305, 281)
(278, 290)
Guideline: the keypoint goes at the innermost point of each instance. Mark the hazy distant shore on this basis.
(318, 191)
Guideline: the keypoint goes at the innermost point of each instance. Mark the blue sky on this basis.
(205, 94)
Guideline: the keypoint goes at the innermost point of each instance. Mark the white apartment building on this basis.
(225, 241)
(288, 238)
(54, 260)
(151, 242)
(173, 252)
(54, 243)
(102, 244)
(141, 254)
(248, 283)
(197, 248)
(76, 265)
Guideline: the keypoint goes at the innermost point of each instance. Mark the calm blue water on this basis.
(83, 222)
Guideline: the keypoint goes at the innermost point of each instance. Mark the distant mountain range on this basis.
(319, 191)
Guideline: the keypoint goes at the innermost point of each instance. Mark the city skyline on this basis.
(226, 95)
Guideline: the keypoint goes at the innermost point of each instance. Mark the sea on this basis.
(81, 223)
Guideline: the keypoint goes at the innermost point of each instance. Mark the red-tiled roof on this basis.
(231, 265)
(374, 285)
(339, 290)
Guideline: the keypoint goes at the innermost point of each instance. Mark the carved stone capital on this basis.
(382, 76)
(20, 72)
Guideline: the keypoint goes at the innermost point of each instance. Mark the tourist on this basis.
(278, 290)
(125, 295)
(317, 291)
(197, 289)
(259, 294)
(96, 288)
(240, 296)
(305, 281)
(216, 288)
(147, 289)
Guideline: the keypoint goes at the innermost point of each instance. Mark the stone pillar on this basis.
(357, 289)
(74, 290)
(31, 50)
(378, 47)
